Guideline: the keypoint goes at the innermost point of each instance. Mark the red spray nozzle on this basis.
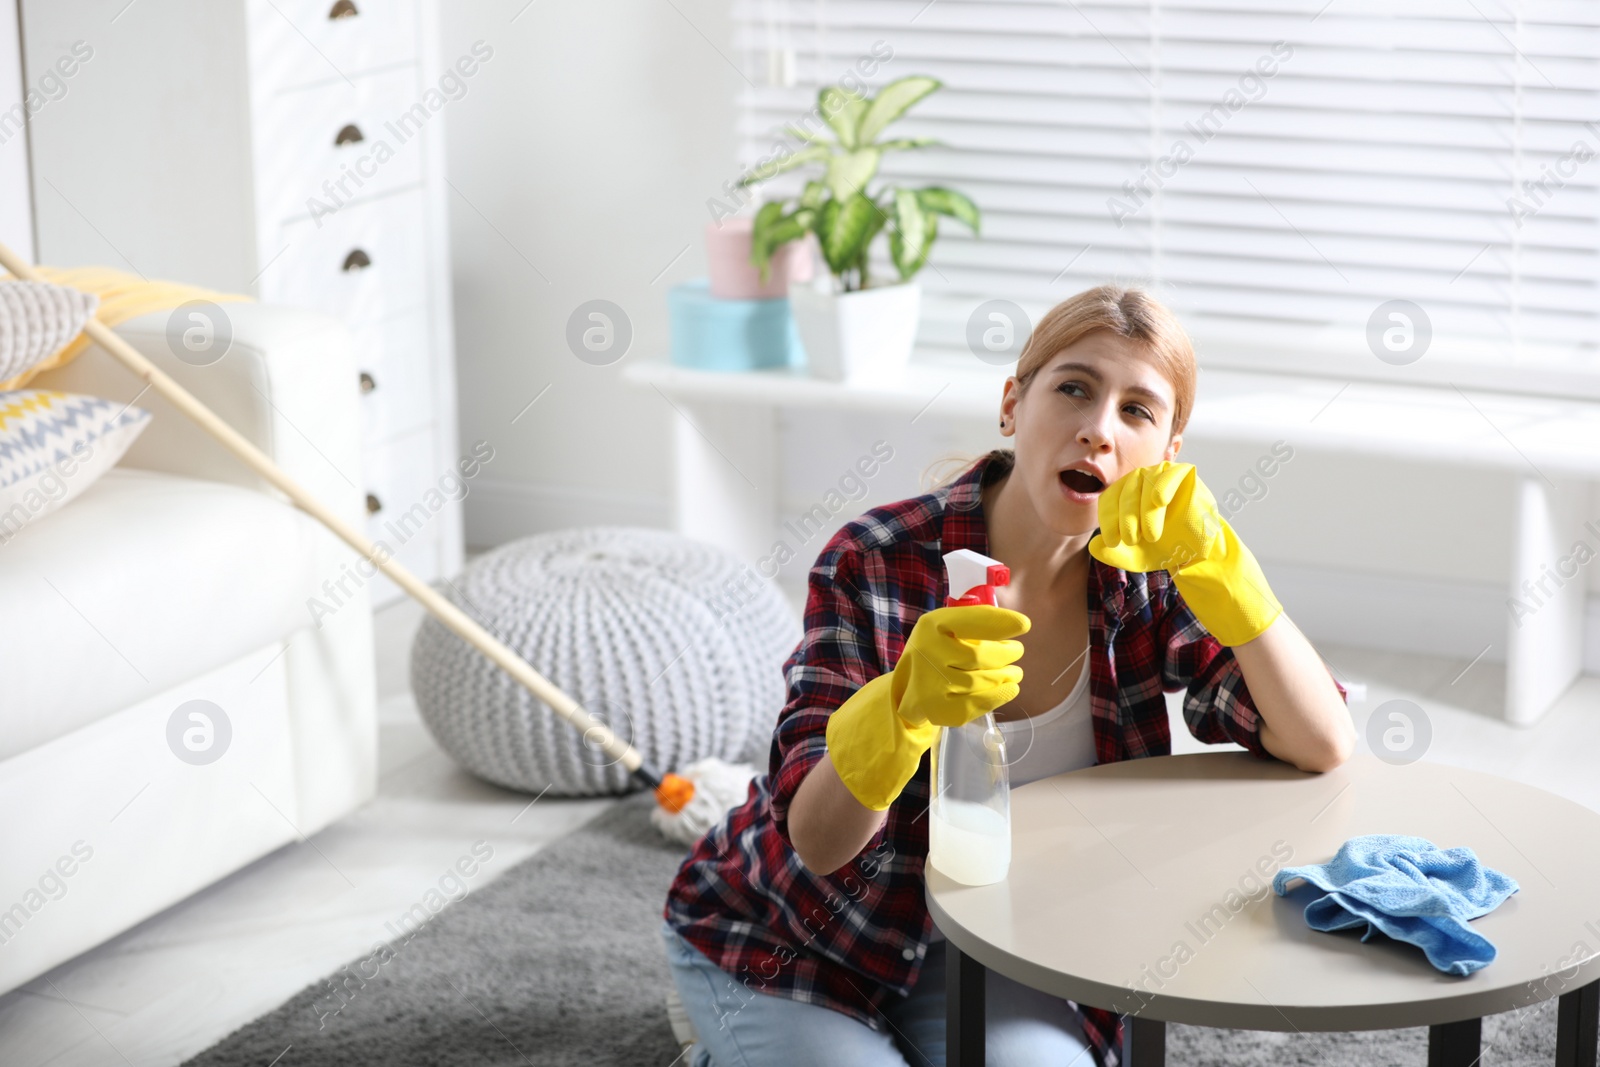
(975, 575)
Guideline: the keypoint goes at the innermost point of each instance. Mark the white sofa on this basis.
(183, 576)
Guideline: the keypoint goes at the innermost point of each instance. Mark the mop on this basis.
(687, 804)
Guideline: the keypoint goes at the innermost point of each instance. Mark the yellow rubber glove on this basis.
(957, 664)
(1163, 517)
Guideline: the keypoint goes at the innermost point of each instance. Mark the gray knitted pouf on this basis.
(676, 645)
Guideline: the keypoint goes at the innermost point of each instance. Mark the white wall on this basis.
(16, 201)
(172, 77)
(583, 159)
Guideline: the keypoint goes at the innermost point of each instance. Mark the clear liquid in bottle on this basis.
(969, 826)
(969, 830)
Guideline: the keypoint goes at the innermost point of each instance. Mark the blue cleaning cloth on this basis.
(1412, 891)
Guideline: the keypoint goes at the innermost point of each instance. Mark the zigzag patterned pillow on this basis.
(53, 446)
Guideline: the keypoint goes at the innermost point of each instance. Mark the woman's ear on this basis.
(1173, 446)
(1008, 407)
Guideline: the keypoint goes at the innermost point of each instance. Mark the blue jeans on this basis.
(738, 1027)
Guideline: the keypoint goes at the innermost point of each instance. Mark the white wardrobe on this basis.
(288, 149)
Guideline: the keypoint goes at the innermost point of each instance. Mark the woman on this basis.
(797, 929)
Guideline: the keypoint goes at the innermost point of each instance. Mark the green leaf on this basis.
(787, 229)
(849, 172)
(908, 266)
(951, 203)
(907, 142)
(827, 219)
(909, 241)
(845, 227)
(892, 101)
(790, 227)
(843, 111)
(809, 154)
(761, 243)
(771, 228)
(811, 195)
(799, 133)
(768, 214)
(880, 218)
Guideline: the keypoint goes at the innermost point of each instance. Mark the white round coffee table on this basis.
(1144, 887)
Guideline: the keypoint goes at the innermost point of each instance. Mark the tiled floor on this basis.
(178, 982)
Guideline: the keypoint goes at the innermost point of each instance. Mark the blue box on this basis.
(730, 335)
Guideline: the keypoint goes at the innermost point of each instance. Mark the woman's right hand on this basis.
(958, 664)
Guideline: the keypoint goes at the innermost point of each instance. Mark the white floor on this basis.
(178, 982)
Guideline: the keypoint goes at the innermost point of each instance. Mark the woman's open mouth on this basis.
(1080, 487)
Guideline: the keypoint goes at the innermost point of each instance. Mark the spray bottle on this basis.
(969, 833)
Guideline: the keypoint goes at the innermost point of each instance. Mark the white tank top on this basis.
(1055, 742)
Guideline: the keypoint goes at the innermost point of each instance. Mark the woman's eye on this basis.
(1137, 410)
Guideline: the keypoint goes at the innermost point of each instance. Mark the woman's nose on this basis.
(1094, 431)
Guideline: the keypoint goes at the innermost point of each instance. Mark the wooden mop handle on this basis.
(442, 609)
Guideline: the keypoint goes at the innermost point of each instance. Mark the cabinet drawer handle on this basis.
(344, 9)
(367, 384)
(374, 505)
(356, 260)
(351, 134)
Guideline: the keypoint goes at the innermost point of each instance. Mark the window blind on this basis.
(1277, 171)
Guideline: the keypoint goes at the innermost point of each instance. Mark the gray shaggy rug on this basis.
(514, 974)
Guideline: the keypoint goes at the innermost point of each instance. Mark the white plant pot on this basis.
(864, 336)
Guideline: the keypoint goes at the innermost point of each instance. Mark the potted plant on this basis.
(856, 328)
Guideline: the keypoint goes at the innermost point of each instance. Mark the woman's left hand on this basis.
(1162, 517)
(1153, 518)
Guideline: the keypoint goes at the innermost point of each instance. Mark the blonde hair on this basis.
(1128, 312)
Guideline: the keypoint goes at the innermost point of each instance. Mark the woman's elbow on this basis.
(1332, 756)
(814, 856)
(801, 843)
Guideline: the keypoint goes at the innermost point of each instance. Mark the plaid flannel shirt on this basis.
(853, 939)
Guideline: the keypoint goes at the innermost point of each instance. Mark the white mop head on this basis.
(719, 787)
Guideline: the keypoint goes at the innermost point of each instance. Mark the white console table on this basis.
(725, 449)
